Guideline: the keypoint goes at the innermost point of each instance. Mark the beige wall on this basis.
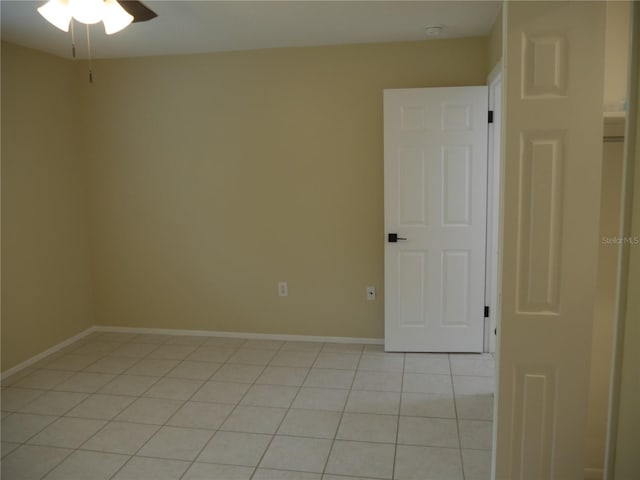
(495, 41)
(216, 176)
(617, 54)
(46, 290)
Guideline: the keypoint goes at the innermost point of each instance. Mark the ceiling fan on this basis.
(138, 10)
(115, 15)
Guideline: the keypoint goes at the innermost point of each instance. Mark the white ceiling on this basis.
(209, 26)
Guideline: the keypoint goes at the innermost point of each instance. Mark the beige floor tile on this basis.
(430, 432)
(211, 471)
(100, 406)
(172, 352)
(270, 474)
(114, 365)
(200, 415)
(254, 419)
(427, 463)
(174, 388)
(20, 427)
(252, 356)
(97, 347)
(67, 432)
(152, 338)
(427, 383)
(150, 410)
(237, 373)
(120, 437)
(153, 367)
(473, 367)
(477, 464)
(207, 353)
(427, 405)
(391, 362)
(377, 381)
(366, 427)
(383, 403)
(83, 465)
(134, 350)
(54, 403)
(141, 468)
(221, 392)
(467, 385)
(361, 459)
(234, 448)
(85, 382)
(72, 362)
(7, 448)
(341, 361)
(30, 462)
(176, 443)
(310, 423)
(44, 379)
(321, 399)
(270, 396)
(343, 347)
(301, 346)
(427, 363)
(297, 453)
(194, 370)
(476, 434)
(14, 398)
(475, 407)
(288, 376)
(329, 378)
(134, 385)
(294, 358)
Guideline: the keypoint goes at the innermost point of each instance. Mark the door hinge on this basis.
(486, 311)
(490, 116)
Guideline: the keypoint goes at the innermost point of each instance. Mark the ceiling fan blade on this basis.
(140, 12)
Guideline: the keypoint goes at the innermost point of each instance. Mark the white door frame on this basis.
(493, 207)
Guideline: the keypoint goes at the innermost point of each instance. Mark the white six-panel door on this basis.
(435, 148)
(551, 201)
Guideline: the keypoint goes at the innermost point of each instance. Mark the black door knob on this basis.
(393, 238)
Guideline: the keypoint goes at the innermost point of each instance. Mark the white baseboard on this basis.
(251, 336)
(49, 351)
(593, 473)
(199, 333)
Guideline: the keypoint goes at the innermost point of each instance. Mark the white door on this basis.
(551, 199)
(435, 180)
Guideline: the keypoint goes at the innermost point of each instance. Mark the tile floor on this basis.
(155, 407)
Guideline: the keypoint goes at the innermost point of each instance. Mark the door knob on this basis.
(393, 238)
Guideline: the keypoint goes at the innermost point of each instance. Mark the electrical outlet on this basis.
(283, 289)
(371, 293)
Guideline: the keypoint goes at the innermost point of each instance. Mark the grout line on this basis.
(455, 407)
(395, 451)
(299, 387)
(333, 442)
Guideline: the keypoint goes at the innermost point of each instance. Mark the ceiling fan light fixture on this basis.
(86, 11)
(115, 17)
(57, 13)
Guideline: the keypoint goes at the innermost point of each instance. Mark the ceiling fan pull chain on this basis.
(89, 50)
(73, 40)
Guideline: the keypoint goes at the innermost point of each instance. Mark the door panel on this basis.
(435, 197)
(551, 195)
